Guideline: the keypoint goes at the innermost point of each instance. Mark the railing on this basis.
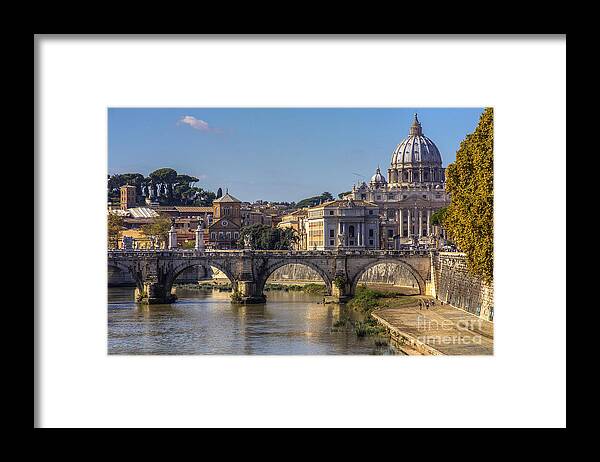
(181, 253)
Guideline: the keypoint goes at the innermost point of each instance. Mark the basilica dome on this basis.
(378, 178)
(416, 149)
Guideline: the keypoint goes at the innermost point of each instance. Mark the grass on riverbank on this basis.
(365, 301)
(311, 288)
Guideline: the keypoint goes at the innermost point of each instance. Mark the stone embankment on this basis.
(452, 284)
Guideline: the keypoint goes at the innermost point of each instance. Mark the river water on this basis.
(206, 322)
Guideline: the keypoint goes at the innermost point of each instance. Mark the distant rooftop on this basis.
(189, 209)
(142, 212)
(346, 203)
(227, 198)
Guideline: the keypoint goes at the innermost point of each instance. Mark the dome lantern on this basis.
(415, 128)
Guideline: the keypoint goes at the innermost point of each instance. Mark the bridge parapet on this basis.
(181, 253)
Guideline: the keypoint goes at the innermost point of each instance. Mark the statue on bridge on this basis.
(200, 236)
(172, 235)
(247, 242)
(341, 240)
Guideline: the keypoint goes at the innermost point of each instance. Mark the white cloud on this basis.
(197, 124)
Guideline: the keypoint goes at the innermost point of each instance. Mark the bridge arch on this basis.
(271, 267)
(204, 264)
(418, 278)
(126, 268)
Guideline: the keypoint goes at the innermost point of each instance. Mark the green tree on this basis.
(186, 179)
(469, 220)
(167, 177)
(188, 245)
(183, 187)
(314, 200)
(437, 217)
(202, 198)
(164, 176)
(342, 194)
(263, 237)
(158, 228)
(115, 227)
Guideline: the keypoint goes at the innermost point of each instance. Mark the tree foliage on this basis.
(158, 228)
(315, 200)
(115, 226)
(263, 237)
(172, 188)
(469, 220)
(437, 217)
(164, 176)
(342, 194)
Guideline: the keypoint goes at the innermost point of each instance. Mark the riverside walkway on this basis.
(439, 330)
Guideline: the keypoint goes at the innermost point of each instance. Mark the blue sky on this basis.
(274, 154)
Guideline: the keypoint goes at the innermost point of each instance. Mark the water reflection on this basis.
(205, 322)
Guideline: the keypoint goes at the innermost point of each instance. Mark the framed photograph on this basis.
(270, 232)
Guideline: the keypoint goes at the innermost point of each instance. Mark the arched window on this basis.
(351, 231)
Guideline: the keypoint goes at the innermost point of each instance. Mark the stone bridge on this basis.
(155, 271)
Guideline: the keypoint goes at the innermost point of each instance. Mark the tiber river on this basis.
(206, 322)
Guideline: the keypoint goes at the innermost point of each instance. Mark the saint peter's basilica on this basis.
(413, 191)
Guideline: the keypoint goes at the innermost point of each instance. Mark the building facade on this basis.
(295, 220)
(224, 231)
(128, 197)
(337, 224)
(413, 191)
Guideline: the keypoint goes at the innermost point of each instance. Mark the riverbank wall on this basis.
(452, 284)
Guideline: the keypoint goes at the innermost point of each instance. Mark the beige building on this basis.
(413, 191)
(342, 224)
(295, 221)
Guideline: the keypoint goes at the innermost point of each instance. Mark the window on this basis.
(331, 212)
(220, 234)
(370, 212)
(236, 235)
(351, 231)
(391, 197)
(363, 196)
(228, 234)
(213, 236)
(331, 233)
(390, 233)
(370, 241)
(378, 198)
(371, 233)
(424, 196)
(331, 242)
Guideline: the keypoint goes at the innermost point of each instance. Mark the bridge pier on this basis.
(249, 293)
(154, 293)
(341, 290)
